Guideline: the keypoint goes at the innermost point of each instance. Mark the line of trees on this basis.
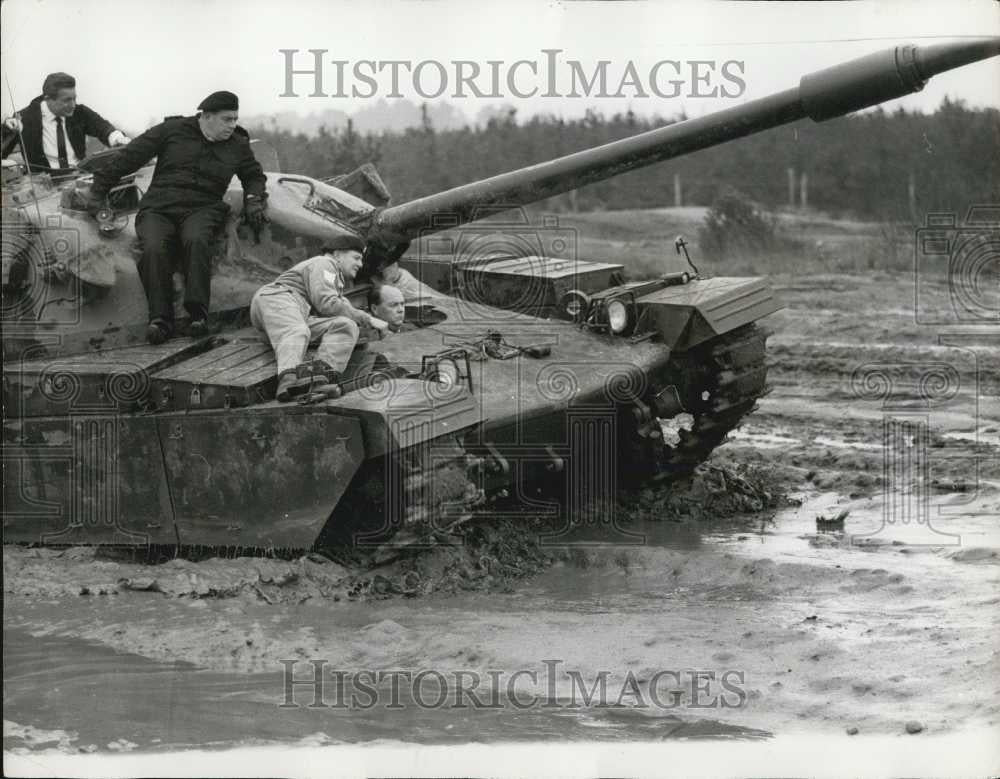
(876, 165)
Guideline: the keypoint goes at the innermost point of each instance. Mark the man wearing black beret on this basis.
(196, 158)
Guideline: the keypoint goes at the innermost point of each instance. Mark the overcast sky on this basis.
(139, 59)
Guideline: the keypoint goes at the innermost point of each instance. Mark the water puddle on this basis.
(96, 699)
(983, 436)
(643, 597)
(839, 444)
(811, 533)
(764, 440)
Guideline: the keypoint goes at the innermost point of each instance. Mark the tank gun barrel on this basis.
(824, 94)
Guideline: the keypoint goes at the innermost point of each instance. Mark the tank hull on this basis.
(157, 445)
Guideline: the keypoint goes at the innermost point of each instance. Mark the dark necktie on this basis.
(61, 143)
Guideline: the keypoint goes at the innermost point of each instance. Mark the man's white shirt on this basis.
(50, 143)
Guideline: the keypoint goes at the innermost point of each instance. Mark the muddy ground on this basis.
(882, 622)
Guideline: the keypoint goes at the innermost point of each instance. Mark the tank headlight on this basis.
(446, 373)
(574, 305)
(618, 316)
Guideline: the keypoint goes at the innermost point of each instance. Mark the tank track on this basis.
(435, 482)
(718, 383)
(403, 499)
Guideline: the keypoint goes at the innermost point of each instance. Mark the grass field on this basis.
(643, 241)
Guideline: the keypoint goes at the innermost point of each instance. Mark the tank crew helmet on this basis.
(220, 101)
(344, 242)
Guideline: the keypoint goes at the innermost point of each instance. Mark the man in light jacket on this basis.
(306, 303)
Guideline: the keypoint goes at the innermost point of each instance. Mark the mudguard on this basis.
(686, 315)
(397, 414)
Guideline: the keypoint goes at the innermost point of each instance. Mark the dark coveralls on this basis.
(184, 203)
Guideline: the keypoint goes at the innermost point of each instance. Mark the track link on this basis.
(403, 499)
(733, 373)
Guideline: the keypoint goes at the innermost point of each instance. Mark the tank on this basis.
(525, 381)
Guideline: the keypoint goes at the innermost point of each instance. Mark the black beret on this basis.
(345, 241)
(220, 101)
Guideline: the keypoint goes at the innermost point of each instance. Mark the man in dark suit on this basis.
(54, 127)
(182, 213)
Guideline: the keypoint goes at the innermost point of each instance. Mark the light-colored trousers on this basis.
(284, 316)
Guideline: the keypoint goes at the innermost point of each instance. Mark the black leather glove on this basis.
(255, 214)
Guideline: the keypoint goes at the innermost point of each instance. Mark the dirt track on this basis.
(870, 625)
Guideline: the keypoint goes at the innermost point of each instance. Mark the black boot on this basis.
(294, 382)
(325, 380)
(158, 331)
(198, 327)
